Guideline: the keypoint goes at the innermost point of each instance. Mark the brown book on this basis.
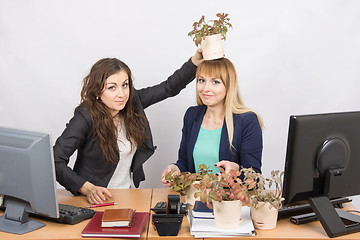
(117, 217)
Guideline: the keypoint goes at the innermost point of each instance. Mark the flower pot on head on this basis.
(212, 47)
(264, 216)
(227, 213)
(210, 35)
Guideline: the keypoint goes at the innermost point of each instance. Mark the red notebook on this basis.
(94, 229)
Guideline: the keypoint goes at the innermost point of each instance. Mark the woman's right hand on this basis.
(95, 194)
(198, 57)
(171, 167)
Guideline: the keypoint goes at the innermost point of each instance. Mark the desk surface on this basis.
(138, 199)
(143, 200)
(284, 229)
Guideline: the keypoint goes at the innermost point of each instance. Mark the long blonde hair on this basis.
(224, 69)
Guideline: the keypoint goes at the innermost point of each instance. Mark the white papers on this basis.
(205, 227)
(202, 214)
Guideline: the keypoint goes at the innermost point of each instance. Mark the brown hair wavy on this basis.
(93, 85)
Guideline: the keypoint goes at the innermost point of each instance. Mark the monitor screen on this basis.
(322, 159)
(27, 179)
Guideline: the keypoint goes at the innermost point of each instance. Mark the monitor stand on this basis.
(336, 222)
(331, 161)
(15, 220)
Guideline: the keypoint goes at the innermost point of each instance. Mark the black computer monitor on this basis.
(27, 179)
(322, 163)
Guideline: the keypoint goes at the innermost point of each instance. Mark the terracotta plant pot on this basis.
(264, 217)
(212, 47)
(227, 213)
(189, 197)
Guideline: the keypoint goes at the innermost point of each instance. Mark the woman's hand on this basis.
(198, 57)
(228, 166)
(95, 194)
(171, 167)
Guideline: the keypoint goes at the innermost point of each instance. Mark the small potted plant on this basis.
(225, 193)
(184, 183)
(265, 203)
(210, 35)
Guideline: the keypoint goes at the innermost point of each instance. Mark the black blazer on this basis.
(80, 135)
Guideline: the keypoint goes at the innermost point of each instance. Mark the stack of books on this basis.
(116, 223)
(202, 224)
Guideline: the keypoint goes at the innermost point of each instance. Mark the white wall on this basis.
(292, 57)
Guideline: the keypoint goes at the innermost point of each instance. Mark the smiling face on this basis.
(116, 92)
(211, 90)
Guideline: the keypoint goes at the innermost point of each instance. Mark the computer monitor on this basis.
(322, 163)
(27, 179)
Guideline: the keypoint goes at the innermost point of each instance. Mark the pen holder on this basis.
(167, 224)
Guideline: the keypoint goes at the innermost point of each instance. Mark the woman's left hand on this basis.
(228, 166)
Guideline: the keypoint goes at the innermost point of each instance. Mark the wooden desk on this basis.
(309, 231)
(143, 200)
(284, 229)
(138, 199)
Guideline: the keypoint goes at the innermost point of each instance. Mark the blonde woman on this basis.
(220, 131)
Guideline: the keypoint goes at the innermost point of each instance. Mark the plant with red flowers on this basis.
(203, 28)
(223, 187)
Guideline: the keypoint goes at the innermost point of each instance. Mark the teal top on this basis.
(206, 150)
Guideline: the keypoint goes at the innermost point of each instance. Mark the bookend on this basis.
(169, 223)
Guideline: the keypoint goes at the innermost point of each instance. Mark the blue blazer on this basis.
(247, 140)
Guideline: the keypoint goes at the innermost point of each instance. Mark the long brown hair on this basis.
(224, 69)
(133, 118)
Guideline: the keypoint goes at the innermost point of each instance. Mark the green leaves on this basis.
(222, 187)
(182, 182)
(258, 183)
(236, 185)
(202, 28)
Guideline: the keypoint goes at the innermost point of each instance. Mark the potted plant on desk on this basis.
(210, 35)
(226, 193)
(184, 183)
(265, 203)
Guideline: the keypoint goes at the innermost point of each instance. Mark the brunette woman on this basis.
(110, 131)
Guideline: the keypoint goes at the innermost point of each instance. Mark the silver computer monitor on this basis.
(27, 179)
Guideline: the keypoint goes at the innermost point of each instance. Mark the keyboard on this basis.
(293, 210)
(72, 214)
